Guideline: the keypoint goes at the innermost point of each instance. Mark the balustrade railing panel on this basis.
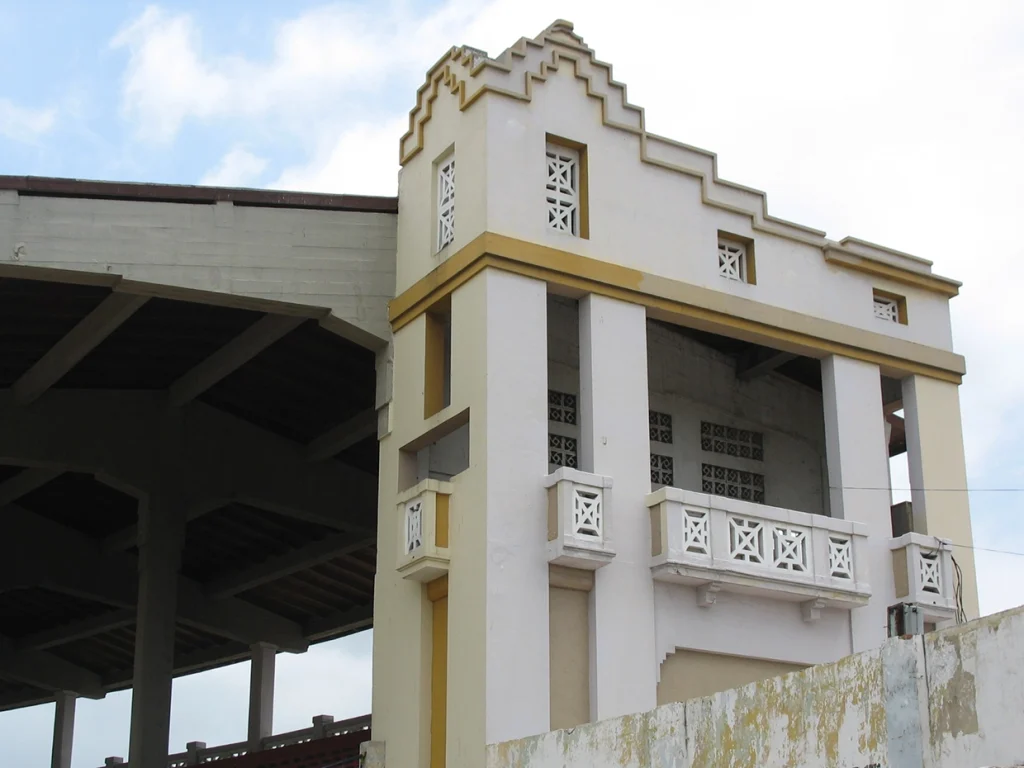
(742, 546)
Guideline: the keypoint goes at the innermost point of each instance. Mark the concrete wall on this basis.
(340, 260)
(950, 699)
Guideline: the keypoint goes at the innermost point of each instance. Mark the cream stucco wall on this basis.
(665, 229)
(504, 617)
(570, 657)
(691, 674)
(464, 134)
(935, 456)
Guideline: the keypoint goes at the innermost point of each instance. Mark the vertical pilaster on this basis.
(161, 535)
(515, 417)
(261, 693)
(858, 478)
(63, 730)
(615, 441)
(401, 611)
(938, 472)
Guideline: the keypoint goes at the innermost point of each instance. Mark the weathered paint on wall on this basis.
(950, 699)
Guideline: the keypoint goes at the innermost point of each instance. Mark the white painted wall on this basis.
(858, 474)
(465, 134)
(340, 260)
(746, 625)
(664, 228)
(613, 442)
(949, 699)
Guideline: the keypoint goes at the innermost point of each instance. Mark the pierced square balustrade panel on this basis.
(721, 544)
(423, 534)
(578, 519)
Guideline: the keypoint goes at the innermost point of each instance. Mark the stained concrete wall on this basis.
(950, 699)
(343, 261)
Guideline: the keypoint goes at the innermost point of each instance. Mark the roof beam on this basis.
(232, 356)
(76, 344)
(345, 435)
(117, 435)
(25, 482)
(286, 564)
(757, 363)
(78, 630)
(71, 563)
(340, 623)
(52, 673)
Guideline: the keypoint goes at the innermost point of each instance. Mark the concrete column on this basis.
(511, 311)
(63, 730)
(615, 441)
(161, 535)
(858, 478)
(261, 694)
(938, 472)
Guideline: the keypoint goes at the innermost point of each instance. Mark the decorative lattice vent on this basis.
(445, 203)
(732, 260)
(733, 483)
(661, 426)
(732, 441)
(563, 189)
(887, 309)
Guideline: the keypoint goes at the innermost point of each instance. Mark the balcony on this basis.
(922, 568)
(579, 523)
(720, 544)
(423, 532)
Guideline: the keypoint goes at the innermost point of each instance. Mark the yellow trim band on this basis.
(675, 302)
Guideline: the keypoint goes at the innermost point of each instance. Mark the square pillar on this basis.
(261, 694)
(508, 349)
(615, 442)
(63, 730)
(938, 472)
(858, 477)
(161, 536)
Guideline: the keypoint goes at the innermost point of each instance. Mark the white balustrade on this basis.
(423, 530)
(922, 568)
(579, 520)
(723, 544)
(324, 727)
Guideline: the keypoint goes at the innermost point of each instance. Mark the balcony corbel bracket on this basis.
(811, 609)
(707, 594)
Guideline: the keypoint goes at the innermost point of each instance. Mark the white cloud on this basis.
(238, 168)
(362, 160)
(317, 58)
(24, 124)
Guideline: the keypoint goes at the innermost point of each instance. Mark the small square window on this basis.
(890, 307)
(445, 203)
(736, 258)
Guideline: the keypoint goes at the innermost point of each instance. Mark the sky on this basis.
(897, 122)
